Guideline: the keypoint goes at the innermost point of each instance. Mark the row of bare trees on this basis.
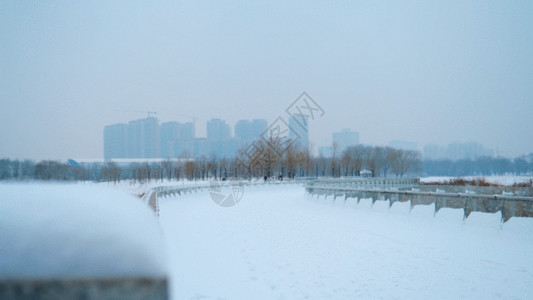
(273, 158)
(269, 159)
(379, 161)
(279, 159)
(43, 170)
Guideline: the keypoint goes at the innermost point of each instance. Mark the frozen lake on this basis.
(278, 243)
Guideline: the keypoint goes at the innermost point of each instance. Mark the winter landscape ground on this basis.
(278, 243)
(76, 231)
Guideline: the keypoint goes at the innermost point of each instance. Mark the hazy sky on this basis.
(422, 71)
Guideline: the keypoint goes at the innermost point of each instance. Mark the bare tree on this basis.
(304, 162)
(356, 154)
(223, 168)
(406, 160)
(177, 170)
(212, 166)
(111, 171)
(345, 162)
(202, 165)
(142, 172)
(321, 166)
(189, 169)
(374, 160)
(185, 154)
(389, 156)
(266, 156)
(290, 161)
(5, 169)
(334, 158)
(167, 169)
(52, 170)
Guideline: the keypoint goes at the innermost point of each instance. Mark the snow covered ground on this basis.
(137, 189)
(278, 243)
(63, 230)
(502, 179)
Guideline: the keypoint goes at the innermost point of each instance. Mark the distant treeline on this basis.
(268, 159)
(43, 170)
(482, 166)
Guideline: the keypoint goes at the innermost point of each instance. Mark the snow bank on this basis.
(141, 189)
(279, 243)
(500, 179)
(76, 231)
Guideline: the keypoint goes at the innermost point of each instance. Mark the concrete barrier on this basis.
(95, 288)
(398, 191)
(69, 241)
(151, 197)
(484, 190)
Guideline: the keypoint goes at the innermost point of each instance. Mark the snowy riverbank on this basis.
(278, 243)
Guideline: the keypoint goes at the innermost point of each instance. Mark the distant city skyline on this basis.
(434, 72)
(149, 138)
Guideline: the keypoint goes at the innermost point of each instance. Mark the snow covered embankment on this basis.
(279, 243)
(68, 239)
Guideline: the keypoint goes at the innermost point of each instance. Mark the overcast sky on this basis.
(422, 71)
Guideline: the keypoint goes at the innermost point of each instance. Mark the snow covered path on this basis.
(278, 243)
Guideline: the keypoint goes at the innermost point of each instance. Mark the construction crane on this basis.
(150, 113)
(154, 113)
(193, 118)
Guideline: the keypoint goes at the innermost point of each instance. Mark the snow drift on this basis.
(76, 231)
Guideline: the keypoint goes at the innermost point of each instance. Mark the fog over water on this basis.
(428, 72)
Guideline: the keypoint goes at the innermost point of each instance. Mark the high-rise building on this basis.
(199, 147)
(183, 149)
(468, 150)
(169, 134)
(187, 131)
(299, 130)
(258, 127)
(456, 151)
(218, 130)
(243, 130)
(249, 131)
(345, 138)
(218, 133)
(433, 151)
(146, 138)
(116, 141)
(230, 147)
(143, 138)
(193, 148)
(403, 145)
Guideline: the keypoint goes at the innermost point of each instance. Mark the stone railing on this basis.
(114, 251)
(152, 196)
(507, 203)
(90, 288)
(485, 190)
(368, 183)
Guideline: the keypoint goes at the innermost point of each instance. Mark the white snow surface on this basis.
(279, 243)
(138, 189)
(496, 179)
(77, 231)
